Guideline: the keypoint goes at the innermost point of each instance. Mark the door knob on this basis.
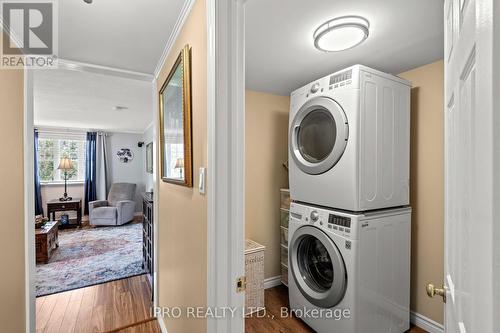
(433, 291)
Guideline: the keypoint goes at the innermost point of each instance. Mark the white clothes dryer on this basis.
(349, 141)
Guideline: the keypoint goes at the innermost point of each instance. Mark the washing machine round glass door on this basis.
(317, 267)
(318, 135)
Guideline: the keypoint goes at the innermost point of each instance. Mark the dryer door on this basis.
(318, 135)
(317, 267)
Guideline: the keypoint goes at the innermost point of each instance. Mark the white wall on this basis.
(53, 191)
(131, 172)
(147, 137)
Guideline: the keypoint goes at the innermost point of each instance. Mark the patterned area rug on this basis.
(91, 256)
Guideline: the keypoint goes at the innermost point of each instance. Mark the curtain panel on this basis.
(102, 179)
(38, 191)
(90, 170)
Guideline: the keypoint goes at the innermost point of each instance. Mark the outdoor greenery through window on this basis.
(51, 148)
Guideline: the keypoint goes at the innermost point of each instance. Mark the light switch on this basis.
(201, 182)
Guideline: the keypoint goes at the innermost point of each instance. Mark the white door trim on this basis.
(156, 182)
(226, 160)
(29, 202)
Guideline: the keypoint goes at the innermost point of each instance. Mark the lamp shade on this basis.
(65, 164)
(179, 163)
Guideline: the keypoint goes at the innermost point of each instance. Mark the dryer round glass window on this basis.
(318, 135)
(317, 267)
(315, 264)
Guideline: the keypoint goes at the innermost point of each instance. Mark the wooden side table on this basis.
(46, 241)
(54, 206)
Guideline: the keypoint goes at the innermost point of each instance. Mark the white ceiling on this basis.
(280, 55)
(125, 34)
(75, 99)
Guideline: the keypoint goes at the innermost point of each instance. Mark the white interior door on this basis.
(470, 158)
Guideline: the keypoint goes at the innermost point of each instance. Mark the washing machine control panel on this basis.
(323, 219)
(340, 221)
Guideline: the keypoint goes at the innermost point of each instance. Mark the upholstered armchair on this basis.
(117, 210)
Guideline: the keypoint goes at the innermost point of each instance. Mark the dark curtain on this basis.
(90, 170)
(38, 192)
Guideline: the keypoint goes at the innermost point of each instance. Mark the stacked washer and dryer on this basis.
(349, 229)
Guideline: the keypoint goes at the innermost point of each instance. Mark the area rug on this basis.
(91, 256)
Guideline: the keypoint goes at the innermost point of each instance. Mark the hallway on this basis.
(117, 306)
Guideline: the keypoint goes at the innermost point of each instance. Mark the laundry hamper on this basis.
(254, 272)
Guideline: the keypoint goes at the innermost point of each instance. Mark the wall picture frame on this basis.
(176, 155)
(149, 157)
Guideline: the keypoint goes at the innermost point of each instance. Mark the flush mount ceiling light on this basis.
(341, 33)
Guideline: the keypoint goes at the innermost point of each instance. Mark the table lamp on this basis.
(65, 165)
(179, 164)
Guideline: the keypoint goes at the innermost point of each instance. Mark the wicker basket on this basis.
(254, 272)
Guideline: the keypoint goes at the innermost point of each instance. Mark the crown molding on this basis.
(185, 10)
(104, 70)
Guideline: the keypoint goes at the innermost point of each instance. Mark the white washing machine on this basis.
(349, 141)
(350, 272)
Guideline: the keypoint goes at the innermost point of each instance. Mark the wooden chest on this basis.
(46, 240)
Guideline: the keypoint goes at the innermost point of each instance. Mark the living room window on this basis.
(51, 148)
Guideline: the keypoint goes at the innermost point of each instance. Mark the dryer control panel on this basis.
(341, 77)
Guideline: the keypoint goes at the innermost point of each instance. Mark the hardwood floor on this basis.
(124, 306)
(150, 326)
(275, 299)
(99, 308)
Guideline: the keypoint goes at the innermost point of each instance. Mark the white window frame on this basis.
(76, 136)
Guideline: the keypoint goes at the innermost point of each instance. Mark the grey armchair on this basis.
(117, 210)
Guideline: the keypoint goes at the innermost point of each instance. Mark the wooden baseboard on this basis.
(425, 323)
(271, 282)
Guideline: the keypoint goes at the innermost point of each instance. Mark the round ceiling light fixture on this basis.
(341, 33)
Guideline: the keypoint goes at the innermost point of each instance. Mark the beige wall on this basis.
(12, 301)
(182, 224)
(266, 150)
(427, 185)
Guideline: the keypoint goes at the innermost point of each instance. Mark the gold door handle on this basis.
(433, 291)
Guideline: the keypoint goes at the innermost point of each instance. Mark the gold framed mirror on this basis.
(176, 155)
